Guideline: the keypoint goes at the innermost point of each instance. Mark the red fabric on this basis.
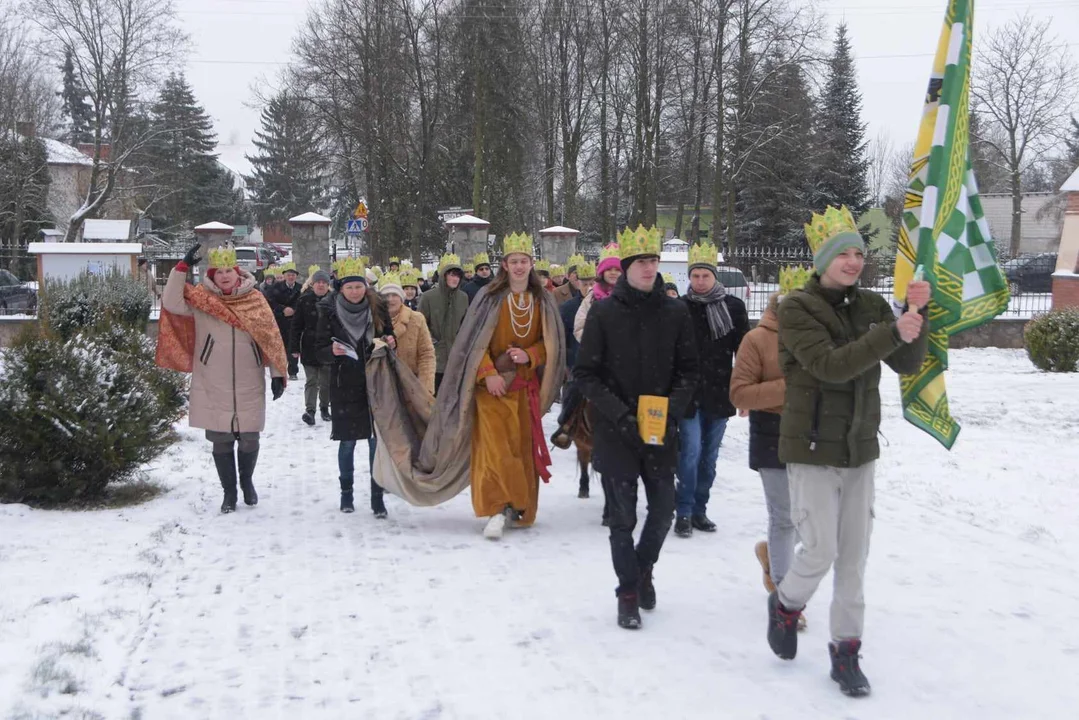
(182, 266)
(539, 443)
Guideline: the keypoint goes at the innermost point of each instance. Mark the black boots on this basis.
(702, 523)
(782, 628)
(683, 527)
(378, 506)
(247, 470)
(647, 595)
(629, 614)
(308, 417)
(326, 414)
(226, 472)
(845, 668)
(346, 496)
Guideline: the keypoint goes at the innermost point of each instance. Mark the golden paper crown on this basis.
(222, 257)
(448, 260)
(377, 271)
(557, 269)
(410, 277)
(469, 267)
(822, 228)
(575, 260)
(793, 278)
(406, 263)
(350, 267)
(544, 265)
(517, 243)
(668, 278)
(282, 269)
(703, 254)
(481, 259)
(390, 278)
(610, 251)
(366, 259)
(395, 260)
(586, 270)
(642, 241)
(312, 269)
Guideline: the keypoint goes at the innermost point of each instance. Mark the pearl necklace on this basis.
(521, 314)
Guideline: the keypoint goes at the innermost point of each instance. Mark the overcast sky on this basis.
(240, 44)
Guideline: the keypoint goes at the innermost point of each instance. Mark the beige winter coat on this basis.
(414, 346)
(228, 383)
(581, 316)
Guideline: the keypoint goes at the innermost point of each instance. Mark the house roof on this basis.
(1072, 183)
(559, 230)
(60, 153)
(468, 221)
(214, 227)
(311, 218)
(94, 248)
(105, 230)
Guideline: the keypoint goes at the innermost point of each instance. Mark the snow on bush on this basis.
(68, 306)
(1052, 340)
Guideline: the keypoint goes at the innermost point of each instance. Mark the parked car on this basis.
(1031, 273)
(15, 295)
(735, 282)
(254, 259)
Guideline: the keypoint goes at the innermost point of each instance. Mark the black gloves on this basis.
(192, 258)
(277, 387)
(630, 432)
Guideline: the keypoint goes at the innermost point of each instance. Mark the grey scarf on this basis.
(719, 319)
(356, 319)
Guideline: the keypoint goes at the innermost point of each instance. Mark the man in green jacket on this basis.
(444, 307)
(833, 336)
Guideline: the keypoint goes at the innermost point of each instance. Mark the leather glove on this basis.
(630, 432)
(192, 257)
(277, 387)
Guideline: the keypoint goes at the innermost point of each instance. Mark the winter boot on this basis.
(782, 628)
(346, 496)
(326, 414)
(647, 595)
(845, 668)
(226, 473)
(683, 528)
(247, 463)
(378, 506)
(629, 613)
(702, 523)
(761, 551)
(308, 417)
(496, 525)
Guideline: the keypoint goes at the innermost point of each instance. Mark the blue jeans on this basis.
(346, 460)
(700, 437)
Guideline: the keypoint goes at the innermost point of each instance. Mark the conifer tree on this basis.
(841, 146)
(77, 113)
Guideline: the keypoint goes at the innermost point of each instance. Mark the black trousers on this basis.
(621, 494)
(438, 381)
(293, 365)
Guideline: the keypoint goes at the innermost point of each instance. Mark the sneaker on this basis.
(326, 415)
(346, 503)
(495, 527)
(629, 614)
(782, 628)
(309, 417)
(702, 523)
(761, 551)
(683, 527)
(647, 597)
(846, 668)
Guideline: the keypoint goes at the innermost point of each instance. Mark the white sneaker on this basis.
(495, 526)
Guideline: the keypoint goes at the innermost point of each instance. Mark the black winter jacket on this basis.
(304, 326)
(348, 377)
(280, 297)
(713, 394)
(473, 286)
(568, 311)
(635, 344)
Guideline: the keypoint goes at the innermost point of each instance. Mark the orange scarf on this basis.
(248, 312)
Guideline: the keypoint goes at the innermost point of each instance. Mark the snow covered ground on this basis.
(293, 610)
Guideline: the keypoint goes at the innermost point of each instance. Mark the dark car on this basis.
(16, 296)
(1031, 273)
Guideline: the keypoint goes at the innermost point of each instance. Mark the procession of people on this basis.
(448, 381)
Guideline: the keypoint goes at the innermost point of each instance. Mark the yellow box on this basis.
(652, 419)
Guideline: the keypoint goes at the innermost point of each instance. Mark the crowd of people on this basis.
(648, 377)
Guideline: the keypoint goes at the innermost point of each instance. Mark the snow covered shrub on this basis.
(1052, 340)
(82, 412)
(68, 306)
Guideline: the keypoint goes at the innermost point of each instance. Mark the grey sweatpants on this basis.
(781, 531)
(832, 509)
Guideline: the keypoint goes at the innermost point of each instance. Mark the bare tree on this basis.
(1025, 82)
(120, 49)
(880, 152)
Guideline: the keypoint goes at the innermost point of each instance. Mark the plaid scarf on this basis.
(719, 319)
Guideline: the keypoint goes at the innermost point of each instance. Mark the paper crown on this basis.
(390, 278)
(543, 266)
(793, 278)
(269, 272)
(377, 271)
(586, 270)
(642, 241)
(834, 221)
(610, 251)
(517, 243)
(703, 254)
(668, 278)
(395, 261)
(350, 267)
(281, 269)
(222, 257)
(312, 269)
(431, 273)
(557, 269)
(481, 259)
(410, 278)
(366, 260)
(406, 263)
(469, 267)
(574, 261)
(449, 261)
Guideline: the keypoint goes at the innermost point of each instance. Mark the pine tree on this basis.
(74, 106)
(288, 167)
(843, 162)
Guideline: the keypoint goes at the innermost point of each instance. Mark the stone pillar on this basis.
(557, 244)
(310, 241)
(467, 235)
(1066, 277)
(213, 235)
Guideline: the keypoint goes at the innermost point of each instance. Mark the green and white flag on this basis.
(944, 229)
